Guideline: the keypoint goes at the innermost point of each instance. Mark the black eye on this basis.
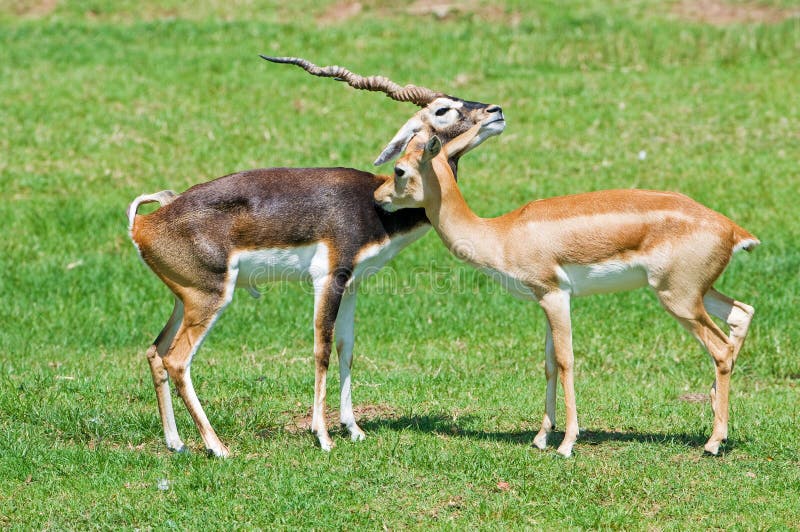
(399, 172)
(441, 111)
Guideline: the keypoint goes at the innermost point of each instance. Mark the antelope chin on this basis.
(495, 127)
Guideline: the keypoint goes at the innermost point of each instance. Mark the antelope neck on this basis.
(465, 234)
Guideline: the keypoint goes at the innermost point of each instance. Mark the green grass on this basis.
(101, 101)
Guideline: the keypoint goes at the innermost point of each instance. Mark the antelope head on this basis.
(415, 181)
(441, 115)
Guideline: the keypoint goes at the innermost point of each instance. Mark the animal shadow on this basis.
(446, 425)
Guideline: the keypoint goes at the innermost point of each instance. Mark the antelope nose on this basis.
(494, 109)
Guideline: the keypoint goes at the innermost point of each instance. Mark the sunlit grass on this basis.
(102, 101)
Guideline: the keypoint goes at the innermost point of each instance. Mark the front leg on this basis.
(345, 338)
(328, 292)
(556, 308)
(551, 373)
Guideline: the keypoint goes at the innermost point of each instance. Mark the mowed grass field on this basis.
(101, 101)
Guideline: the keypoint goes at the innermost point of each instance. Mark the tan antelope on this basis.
(258, 226)
(607, 241)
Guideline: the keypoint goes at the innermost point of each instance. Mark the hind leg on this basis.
(737, 315)
(690, 312)
(200, 312)
(161, 378)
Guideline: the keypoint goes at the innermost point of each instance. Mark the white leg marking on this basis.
(735, 313)
(345, 338)
(161, 380)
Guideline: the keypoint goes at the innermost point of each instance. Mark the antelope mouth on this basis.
(497, 125)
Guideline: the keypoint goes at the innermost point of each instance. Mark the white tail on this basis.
(551, 250)
(165, 197)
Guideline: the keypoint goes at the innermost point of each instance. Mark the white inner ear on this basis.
(400, 141)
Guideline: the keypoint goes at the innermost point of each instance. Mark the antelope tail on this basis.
(165, 197)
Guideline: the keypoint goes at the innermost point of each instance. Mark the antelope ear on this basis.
(400, 141)
(432, 148)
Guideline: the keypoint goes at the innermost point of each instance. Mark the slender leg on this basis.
(738, 316)
(692, 315)
(327, 297)
(345, 337)
(551, 372)
(556, 308)
(161, 378)
(200, 313)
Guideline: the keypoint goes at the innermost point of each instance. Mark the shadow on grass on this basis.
(446, 426)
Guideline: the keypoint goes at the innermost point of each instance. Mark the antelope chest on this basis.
(373, 257)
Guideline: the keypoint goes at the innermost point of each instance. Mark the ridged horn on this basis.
(420, 96)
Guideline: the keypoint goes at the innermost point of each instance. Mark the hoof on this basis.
(712, 448)
(540, 441)
(218, 453)
(565, 451)
(356, 434)
(180, 450)
(326, 443)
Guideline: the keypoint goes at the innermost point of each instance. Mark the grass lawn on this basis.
(101, 101)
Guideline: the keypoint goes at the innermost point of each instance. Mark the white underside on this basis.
(249, 269)
(580, 280)
(603, 278)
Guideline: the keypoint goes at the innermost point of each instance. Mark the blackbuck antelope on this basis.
(257, 226)
(553, 249)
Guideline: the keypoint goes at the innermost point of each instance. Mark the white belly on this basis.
(256, 267)
(261, 266)
(612, 276)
